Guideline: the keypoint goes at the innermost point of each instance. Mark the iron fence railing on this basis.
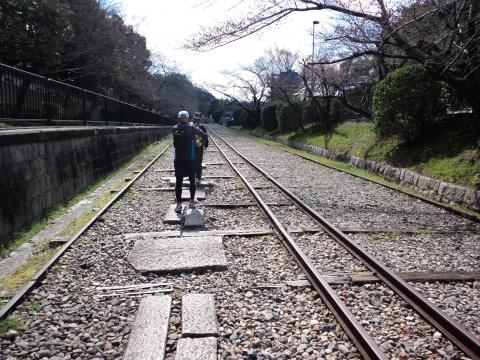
(27, 96)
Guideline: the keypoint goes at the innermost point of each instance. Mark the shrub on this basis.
(256, 118)
(451, 101)
(236, 116)
(247, 119)
(405, 102)
(289, 116)
(308, 113)
(269, 118)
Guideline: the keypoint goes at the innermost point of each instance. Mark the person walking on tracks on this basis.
(185, 155)
(201, 145)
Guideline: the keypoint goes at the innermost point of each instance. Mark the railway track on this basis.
(460, 336)
(411, 194)
(264, 308)
(40, 274)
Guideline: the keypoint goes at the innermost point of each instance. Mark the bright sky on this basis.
(167, 25)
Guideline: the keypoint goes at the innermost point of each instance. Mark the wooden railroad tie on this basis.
(238, 232)
(362, 278)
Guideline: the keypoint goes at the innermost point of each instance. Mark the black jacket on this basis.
(184, 140)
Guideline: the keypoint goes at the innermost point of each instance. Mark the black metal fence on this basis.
(29, 97)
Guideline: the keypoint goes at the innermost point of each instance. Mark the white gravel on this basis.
(424, 252)
(64, 319)
(459, 300)
(398, 330)
(345, 200)
(327, 255)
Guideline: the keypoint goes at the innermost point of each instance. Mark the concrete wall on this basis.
(435, 189)
(40, 168)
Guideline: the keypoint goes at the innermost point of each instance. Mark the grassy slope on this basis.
(447, 153)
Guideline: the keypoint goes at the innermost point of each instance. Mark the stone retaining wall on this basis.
(43, 167)
(435, 189)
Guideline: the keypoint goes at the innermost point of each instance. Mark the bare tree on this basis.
(443, 35)
(247, 88)
(278, 67)
(318, 84)
(353, 81)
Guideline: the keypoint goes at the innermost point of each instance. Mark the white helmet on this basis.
(183, 114)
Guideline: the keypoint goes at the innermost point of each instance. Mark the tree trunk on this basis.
(366, 113)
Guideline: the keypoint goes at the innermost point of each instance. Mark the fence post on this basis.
(48, 102)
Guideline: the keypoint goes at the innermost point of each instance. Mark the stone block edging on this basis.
(434, 189)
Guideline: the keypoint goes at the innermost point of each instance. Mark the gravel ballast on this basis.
(259, 316)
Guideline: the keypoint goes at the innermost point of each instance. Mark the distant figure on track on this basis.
(185, 155)
(201, 145)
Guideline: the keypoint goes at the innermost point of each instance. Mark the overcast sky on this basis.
(167, 25)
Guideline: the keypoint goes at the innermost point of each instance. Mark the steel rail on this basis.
(40, 274)
(412, 195)
(452, 329)
(356, 332)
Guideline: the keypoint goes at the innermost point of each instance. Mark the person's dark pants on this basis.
(198, 164)
(184, 168)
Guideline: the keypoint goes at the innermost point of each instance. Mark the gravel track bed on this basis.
(292, 217)
(234, 219)
(459, 300)
(64, 318)
(399, 331)
(153, 179)
(345, 200)
(424, 252)
(227, 171)
(248, 171)
(231, 155)
(391, 215)
(231, 194)
(260, 182)
(140, 211)
(226, 184)
(327, 255)
(216, 170)
(408, 337)
(273, 196)
(213, 157)
(264, 324)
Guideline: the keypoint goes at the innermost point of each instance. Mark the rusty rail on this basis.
(357, 334)
(453, 330)
(40, 274)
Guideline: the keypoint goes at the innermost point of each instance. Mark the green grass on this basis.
(449, 152)
(16, 280)
(364, 174)
(33, 305)
(76, 225)
(9, 324)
